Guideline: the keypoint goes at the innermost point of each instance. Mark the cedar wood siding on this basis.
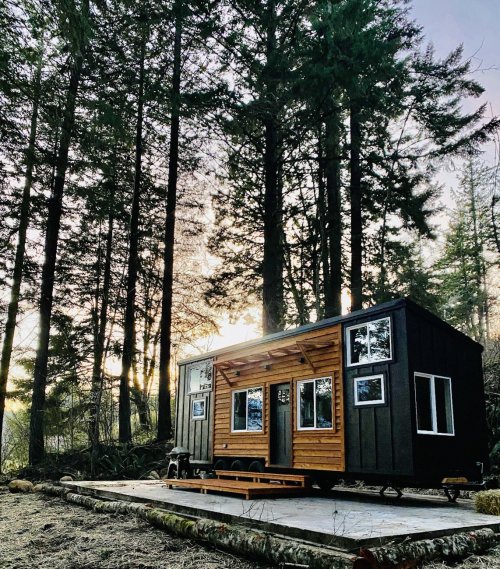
(438, 349)
(320, 450)
(379, 437)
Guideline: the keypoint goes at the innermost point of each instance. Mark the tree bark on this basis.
(333, 306)
(165, 374)
(97, 371)
(13, 308)
(273, 261)
(124, 419)
(356, 211)
(36, 442)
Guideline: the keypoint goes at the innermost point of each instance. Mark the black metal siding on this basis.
(438, 349)
(379, 437)
(196, 435)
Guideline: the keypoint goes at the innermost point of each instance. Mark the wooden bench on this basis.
(301, 480)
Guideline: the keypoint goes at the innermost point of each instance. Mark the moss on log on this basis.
(235, 539)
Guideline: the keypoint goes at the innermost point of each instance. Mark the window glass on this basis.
(424, 404)
(370, 342)
(307, 404)
(200, 376)
(379, 339)
(324, 403)
(369, 390)
(315, 404)
(443, 405)
(434, 404)
(359, 345)
(198, 409)
(255, 409)
(240, 411)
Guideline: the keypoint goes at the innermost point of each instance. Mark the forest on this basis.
(168, 164)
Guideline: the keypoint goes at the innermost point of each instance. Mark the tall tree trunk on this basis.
(323, 231)
(97, 371)
(356, 211)
(273, 262)
(332, 169)
(124, 420)
(165, 379)
(36, 442)
(10, 325)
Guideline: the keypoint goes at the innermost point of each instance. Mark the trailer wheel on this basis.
(221, 464)
(326, 482)
(238, 465)
(256, 466)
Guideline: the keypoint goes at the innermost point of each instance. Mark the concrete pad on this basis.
(344, 518)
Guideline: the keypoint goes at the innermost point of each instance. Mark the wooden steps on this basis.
(248, 484)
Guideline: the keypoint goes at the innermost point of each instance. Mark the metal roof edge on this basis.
(392, 304)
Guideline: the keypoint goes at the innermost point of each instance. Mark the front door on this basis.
(281, 425)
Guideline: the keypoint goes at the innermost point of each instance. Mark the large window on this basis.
(434, 405)
(199, 376)
(370, 342)
(314, 403)
(247, 409)
(369, 390)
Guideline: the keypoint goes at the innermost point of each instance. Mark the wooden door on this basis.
(281, 425)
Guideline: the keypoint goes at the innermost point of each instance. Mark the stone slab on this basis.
(344, 518)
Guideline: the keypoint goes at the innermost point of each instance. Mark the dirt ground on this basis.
(39, 532)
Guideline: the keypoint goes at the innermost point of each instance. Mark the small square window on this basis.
(198, 409)
(368, 343)
(369, 390)
(434, 405)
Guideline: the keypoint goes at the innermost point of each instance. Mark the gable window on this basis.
(368, 343)
(369, 390)
(434, 405)
(314, 403)
(247, 409)
(200, 376)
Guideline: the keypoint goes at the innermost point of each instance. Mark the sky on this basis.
(475, 24)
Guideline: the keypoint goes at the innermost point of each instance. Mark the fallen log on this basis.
(244, 541)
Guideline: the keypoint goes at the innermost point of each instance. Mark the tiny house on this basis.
(391, 395)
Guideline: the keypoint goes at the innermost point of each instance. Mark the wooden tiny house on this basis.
(388, 394)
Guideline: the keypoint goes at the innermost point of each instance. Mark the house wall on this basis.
(321, 449)
(194, 434)
(438, 349)
(379, 437)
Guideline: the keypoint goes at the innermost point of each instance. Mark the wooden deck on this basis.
(248, 484)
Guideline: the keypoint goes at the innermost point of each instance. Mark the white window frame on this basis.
(313, 380)
(188, 371)
(365, 325)
(375, 401)
(432, 378)
(199, 400)
(233, 430)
